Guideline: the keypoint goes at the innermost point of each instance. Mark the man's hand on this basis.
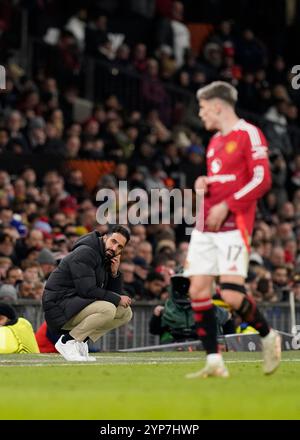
(201, 184)
(216, 216)
(115, 263)
(158, 310)
(125, 301)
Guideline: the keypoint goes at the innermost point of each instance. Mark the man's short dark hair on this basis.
(154, 276)
(219, 89)
(118, 229)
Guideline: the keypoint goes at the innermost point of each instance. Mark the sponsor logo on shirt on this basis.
(216, 166)
(222, 178)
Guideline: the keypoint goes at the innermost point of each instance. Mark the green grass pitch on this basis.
(146, 386)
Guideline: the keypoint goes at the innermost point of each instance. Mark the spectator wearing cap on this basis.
(16, 334)
(141, 270)
(47, 262)
(37, 134)
(8, 293)
(60, 245)
(42, 224)
(167, 273)
(18, 225)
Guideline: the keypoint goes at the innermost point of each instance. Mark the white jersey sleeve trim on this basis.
(253, 133)
(257, 179)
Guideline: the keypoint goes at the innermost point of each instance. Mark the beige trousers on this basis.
(97, 319)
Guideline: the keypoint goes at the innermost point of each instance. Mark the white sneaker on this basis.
(271, 345)
(213, 368)
(84, 351)
(69, 350)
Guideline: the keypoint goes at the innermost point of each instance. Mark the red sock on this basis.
(206, 323)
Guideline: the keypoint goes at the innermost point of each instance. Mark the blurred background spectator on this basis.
(108, 95)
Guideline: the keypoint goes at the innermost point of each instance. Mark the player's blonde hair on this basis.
(219, 89)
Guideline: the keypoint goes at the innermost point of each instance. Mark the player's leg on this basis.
(201, 269)
(232, 291)
(233, 265)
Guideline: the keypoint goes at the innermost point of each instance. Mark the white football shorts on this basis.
(216, 253)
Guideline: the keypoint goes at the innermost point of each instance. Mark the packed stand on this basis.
(158, 145)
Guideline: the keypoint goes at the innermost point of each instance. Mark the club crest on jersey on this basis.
(216, 166)
(230, 147)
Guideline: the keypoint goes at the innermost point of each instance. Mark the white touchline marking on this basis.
(33, 363)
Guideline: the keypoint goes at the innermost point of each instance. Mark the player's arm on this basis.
(256, 155)
(201, 184)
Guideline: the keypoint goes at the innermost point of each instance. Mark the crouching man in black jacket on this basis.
(83, 296)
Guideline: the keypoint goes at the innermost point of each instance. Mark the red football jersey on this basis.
(239, 174)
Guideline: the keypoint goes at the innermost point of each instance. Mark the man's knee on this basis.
(106, 309)
(128, 314)
(125, 315)
(200, 287)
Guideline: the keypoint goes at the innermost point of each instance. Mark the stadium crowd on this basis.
(158, 145)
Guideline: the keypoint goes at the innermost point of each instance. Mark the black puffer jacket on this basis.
(79, 280)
